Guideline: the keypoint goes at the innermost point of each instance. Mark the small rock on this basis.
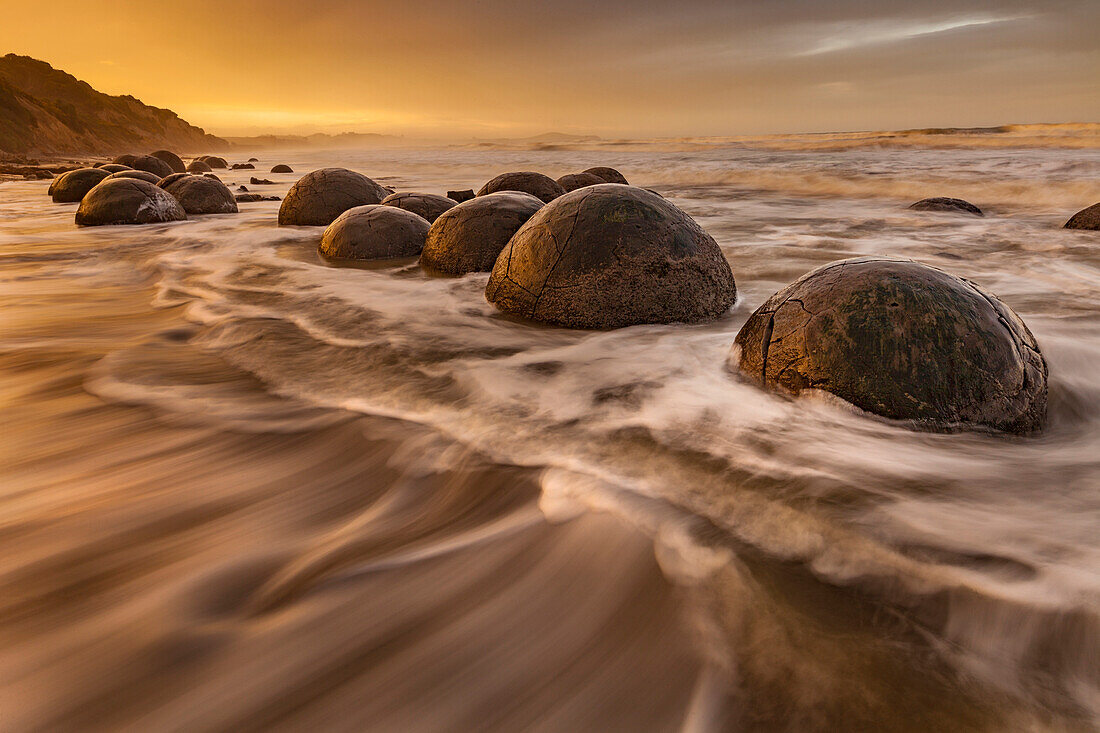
(947, 205)
(261, 182)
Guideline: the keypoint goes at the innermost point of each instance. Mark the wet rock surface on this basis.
(201, 195)
(461, 196)
(947, 205)
(321, 196)
(243, 167)
(541, 187)
(174, 162)
(153, 165)
(427, 205)
(374, 232)
(470, 236)
(127, 201)
(71, 187)
(610, 175)
(138, 176)
(903, 340)
(609, 256)
(1085, 219)
(573, 181)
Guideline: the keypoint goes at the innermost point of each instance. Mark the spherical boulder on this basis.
(201, 195)
(427, 205)
(198, 166)
(542, 187)
(573, 181)
(608, 174)
(214, 161)
(174, 162)
(947, 206)
(609, 256)
(374, 232)
(1085, 219)
(71, 187)
(114, 167)
(319, 197)
(137, 175)
(470, 236)
(163, 182)
(899, 339)
(127, 160)
(156, 166)
(127, 201)
(282, 168)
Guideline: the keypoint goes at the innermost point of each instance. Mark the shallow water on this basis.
(245, 490)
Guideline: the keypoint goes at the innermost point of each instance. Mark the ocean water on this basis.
(241, 489)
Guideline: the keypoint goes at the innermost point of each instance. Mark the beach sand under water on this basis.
(242, 490)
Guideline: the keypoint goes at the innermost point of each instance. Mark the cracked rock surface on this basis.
(541, 187)
(374, 232)
(127, 201)
(427, 205)
(610, 175)
(573, 181)
(1085, 219)
(947, 206)
(470, 236)
(903, 340)
(321, 196)
(71, 187)
(201, 195)
(609, 256)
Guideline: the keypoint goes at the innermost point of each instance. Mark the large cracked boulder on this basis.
(427, 205)
(156, 166)
(174, 162)
(127, 201)
(609, 256)
(470, 236)
(374, 232)
(69, 188)
(899, 339)
(573, 181)
(609, 175)
(137, 175)
(946, 205)
(541, 187)
(321, 196)
(200, 195)
(1085, 219)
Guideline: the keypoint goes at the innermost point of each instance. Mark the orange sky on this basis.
(613, 68)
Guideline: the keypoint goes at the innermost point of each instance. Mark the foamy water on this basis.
(244, 489)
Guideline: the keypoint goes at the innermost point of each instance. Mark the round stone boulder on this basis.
(427, 205)
(174, 162)
(156, 166)
(903, 340)
(214, 161)
(947, 206)
(114, 167)
(573, 181)
(374, 232)
(167, 180)
(127, 160)
(1085, 219)
(608, 174)
(470, 236)
(609, 256)
(319, 197)
(137, 175)
(282, 168)
(541, 187)
(198, 166)
(127, 201)
(201, 195)
(69, 188)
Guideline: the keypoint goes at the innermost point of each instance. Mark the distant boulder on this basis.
(253, 160)
(573, 181)
(947, 206)
(137, 176)
(71, 187)
(460, 196)
(610, 175)
(243, 167)
(201, 195)
(282, 168)
(127, 201)
(213, 161)
(317, 198)
(541, 187)
(127, 160)
(427, 205)
(1085, 219)
(198, 166)
(470, 236)
(374, 233)
(153, 165)
(174, 162)
(260, 181)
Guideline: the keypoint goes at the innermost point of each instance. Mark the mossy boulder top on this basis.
(174, 161)
(319, 197)
(127, 201)
(608, 174)
(902, 340)
(470, 236)
(541, 187)
(427, 205)
(201, 195)
(947, 206)
(138, 175)
(153, 165)
(1085, 219)
(374, 232)
(573, 181)
(70, 187)
(609, 256)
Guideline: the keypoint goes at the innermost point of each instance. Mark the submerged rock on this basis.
(243, 167)
(247, 198)
(608, 174)
(374, 232)
(156, 166)
(282, 168)
(542, 187)
(260, 181)
(138, 176)
(71, 187)
(470, 236)
(198, 166)
(947, 205)
(427, 205)
(201, 195)
(321, 196)
(902, 340)
(461, 196)
(573, 181)
(1085, 219)
(174, 162)
(127, 201)
(609, 256)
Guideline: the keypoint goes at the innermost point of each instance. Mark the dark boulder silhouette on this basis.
(127, 201)
(610, 175)
(374, 232)
(427, 205)
(317, 198)
(201, 195)
(470, 236)
(71, 187)
(542, 187)
(947, 206)
(1085, 219)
